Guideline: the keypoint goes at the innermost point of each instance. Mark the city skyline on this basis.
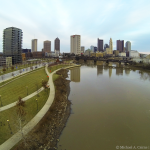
(35, 19)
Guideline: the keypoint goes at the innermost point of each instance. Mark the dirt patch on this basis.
(46, 134)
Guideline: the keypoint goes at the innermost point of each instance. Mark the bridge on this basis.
(107, 59)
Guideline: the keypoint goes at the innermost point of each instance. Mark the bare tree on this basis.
(4, 69)
(20, 105)
(44, 84)
(12, 68)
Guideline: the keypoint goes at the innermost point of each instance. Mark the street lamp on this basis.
(37, 104)
(27, 89)
(1, 101)
(9, 126)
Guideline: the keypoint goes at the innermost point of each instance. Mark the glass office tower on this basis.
(12, 44)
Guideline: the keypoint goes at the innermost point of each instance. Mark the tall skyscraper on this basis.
(99, 45)
(110, 49)
(12, 44)
(120, 45)
(111, 44)
(128, 46)
(75, 44)
(34, 45)
(95, 49)
(47, 46)
(57, 44)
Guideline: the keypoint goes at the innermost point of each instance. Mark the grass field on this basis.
(53, 68)
(11, 115)
(13, 90)
(55, 76)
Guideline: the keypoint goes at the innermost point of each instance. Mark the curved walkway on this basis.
(24, 99)
(7, 145)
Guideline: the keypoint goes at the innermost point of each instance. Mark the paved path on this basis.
(7, 145)
(24, 99)
(9, 76)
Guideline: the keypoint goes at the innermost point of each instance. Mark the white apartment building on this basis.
(56, 53)
(122, 54)
(133, 53)
(34, 45)
(75, 44)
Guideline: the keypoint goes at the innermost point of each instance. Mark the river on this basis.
(110, 109)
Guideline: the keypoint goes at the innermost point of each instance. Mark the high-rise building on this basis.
(120, 45)
(111, 45)
(26, 50)
(34, 45)
(75, 44)
(47, 46)
(12, 44)
(82, 49)
(106, 46)
(95, 49)
(110, 49)
(128, 46)
(57, 44)
(92, 48)
(99, 45)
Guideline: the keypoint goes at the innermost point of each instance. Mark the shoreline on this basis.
(47, 132)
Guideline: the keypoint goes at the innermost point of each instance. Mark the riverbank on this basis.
(46, 134)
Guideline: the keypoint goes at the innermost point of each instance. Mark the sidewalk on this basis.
(18, 74)
(24, 99)
(7, 145)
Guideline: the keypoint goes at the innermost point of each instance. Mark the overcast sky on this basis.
(127, 20)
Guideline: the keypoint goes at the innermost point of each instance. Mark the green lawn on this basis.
(53, 68)
(55, 76)
(11, 115)
(13, 90)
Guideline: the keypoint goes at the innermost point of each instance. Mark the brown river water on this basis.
(110, 109)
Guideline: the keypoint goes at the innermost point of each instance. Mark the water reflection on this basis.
(106, 67)
(144, 75)
(99, 70)
(107, 114)
(110, 71)
(119, 71)
(127, 71)
(75, 74)
(99, 63)
(90, 63)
